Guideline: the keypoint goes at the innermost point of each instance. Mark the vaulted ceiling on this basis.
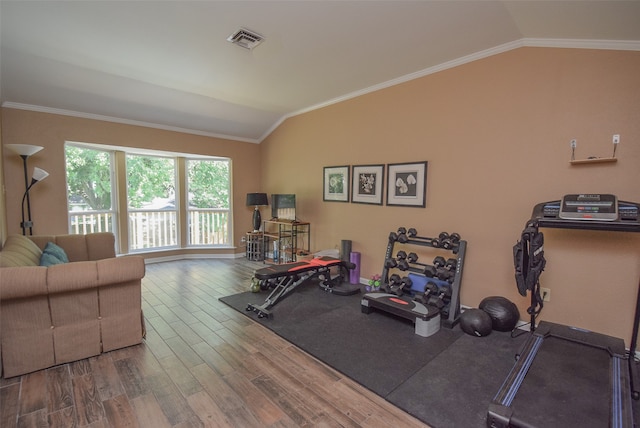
(169, 64)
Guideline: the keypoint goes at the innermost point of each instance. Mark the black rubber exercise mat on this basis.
(446, 380)
(379, 351)
(455, 388)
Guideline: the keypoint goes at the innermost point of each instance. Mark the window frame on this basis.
(120, 203)
(113, 185)
(175, 219)
(228, 236)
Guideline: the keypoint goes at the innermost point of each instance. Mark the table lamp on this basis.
(257, 200)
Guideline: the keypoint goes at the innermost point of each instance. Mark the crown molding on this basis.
(614, 45)
(62, 112)
(525, 42)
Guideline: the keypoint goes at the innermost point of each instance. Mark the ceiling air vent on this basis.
(245, 38)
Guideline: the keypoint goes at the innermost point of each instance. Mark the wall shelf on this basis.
(592, 161)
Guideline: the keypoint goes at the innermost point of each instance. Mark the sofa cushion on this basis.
(92, 246)
(18, 251)
(53, 255)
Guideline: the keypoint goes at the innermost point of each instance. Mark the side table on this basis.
(255, 246)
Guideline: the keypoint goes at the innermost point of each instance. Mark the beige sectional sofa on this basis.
(68, 311)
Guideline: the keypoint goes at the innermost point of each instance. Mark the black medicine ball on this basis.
(476, 322)
(503, 312)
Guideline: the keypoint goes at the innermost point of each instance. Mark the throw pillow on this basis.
(18, 250)
(57, 251)
(53, 255)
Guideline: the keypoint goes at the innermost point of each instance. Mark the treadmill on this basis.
(559, 364)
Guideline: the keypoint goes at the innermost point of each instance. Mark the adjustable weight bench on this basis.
(285, 278)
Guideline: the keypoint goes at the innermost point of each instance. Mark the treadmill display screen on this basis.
(589, 207)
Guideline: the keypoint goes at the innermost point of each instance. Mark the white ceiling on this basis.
(168, 63)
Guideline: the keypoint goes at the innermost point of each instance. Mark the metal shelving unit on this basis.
(285, 240)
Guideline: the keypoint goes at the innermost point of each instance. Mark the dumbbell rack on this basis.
(458, 248)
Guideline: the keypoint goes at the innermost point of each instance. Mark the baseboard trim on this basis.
(177, 257)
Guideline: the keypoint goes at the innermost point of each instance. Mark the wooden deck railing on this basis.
(149, 229)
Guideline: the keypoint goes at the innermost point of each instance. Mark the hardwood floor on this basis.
(202, 364)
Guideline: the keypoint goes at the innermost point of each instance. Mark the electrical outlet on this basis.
(616, 138)
(573, 143)
(546, 294)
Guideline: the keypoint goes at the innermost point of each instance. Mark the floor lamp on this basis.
(24, 151)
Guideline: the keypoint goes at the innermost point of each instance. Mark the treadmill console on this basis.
(589, 207)
(599, 211)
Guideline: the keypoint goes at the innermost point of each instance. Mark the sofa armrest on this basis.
(23, 282)
(120, 269)
(66, 277)
(120, 290)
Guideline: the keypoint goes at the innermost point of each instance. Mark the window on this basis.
(209, 194)
(166, 201)
(151, 202)
(90, 199)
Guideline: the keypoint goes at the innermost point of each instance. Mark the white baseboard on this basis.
(192, 257)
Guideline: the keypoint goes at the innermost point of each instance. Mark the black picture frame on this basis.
(367, 185)
(407, 184)
(336, 184)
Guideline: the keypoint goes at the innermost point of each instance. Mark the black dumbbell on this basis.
(446, 241)
(403, 238)
(444, 293)
(403, 264)
(406, 284)
(446, 275)
(395, 279)
(393, 237)
(440, 298)
(412, 232)
(430, 271)
(451, 264)
(398, 288)
(439, 262)
(435, 301)
(430, 289)
(401, 255)
(411, 261)
(390, 263)
(397, 284)
(441, 241)
(449, 242)
(402, 230)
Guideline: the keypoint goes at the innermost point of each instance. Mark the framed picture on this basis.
(367, 184)
(407, 185)
(336, 183)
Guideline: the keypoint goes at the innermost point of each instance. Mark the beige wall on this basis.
(496, 135)
(48, 198)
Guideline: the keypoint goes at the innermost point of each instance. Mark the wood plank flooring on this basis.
(202, 364)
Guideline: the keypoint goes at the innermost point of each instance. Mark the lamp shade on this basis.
(39, 174)
(24, 149)
(257, 199)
